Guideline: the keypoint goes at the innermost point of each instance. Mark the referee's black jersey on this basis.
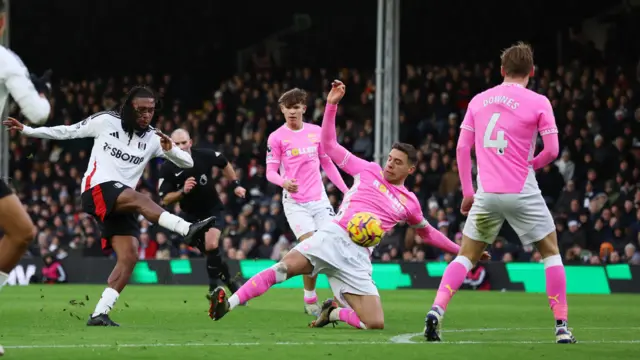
(203, 198)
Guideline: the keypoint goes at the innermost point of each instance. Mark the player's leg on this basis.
(311, 305)
(130, 200)
(18, 230)
(217, 269)
(481, 228)
(533, 222)
(293, 264)
(302, 223)
(358, 302)
(120, 233)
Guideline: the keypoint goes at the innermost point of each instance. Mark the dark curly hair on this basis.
(128, 113)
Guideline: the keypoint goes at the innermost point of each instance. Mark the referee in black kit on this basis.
(195, 190)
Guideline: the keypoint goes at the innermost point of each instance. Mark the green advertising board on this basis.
(390, 276)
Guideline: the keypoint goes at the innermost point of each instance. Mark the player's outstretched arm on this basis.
(171, 152)
(89, 127)
(435, 238)
(549, 132)
(33, 105)
(348, 162)
(332, 172)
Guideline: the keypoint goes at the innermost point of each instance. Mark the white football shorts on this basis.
(527, 214)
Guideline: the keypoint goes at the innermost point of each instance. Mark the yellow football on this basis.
(365, 229)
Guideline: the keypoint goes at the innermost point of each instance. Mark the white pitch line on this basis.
(407, 339)
(398, 339)
(89, 346)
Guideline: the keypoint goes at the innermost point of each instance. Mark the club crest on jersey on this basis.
(142, 146)
(203, 179)
(398, 205)
(310, 150)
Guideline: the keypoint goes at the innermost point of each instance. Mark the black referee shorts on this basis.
(99, 202)
(4, 189)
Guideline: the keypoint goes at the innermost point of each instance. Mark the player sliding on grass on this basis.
(503, 123)
(330, 250)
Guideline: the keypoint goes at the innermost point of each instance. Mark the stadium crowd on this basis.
(592, 188)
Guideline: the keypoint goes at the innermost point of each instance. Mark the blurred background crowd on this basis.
(592, 188)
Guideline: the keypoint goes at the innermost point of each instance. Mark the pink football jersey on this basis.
(298, 154)
(506, 120)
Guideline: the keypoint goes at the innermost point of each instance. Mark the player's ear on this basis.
(502, 73)
(412, 169)
(533, 71)
(304, 109)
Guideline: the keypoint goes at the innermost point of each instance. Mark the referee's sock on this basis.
(218, 271)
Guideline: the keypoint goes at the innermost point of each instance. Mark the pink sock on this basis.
(310, 300)
(451, 281)
(557, 291)
(257, 285)
(350, 317)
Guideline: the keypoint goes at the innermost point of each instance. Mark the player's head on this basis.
(400, 163)
(293, 104)
(138, 109)
(517, 62)
(181, 138)
(3, 18)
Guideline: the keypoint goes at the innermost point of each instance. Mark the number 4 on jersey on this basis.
(499, 143)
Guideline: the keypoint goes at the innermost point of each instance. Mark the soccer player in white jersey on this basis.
(294, 158)
(15, 223)
(124, 143)
(503, 123)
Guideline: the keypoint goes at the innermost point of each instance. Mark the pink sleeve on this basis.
(332, 171)
(346, 161)
(274, 157)
(430, 235)
(463, 157)
(549, 132)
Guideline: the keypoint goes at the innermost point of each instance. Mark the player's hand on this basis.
(13, 124)
(336, 93)
(240, 192)
(466, 205)
(165, 141)
(290, 186)
(485, 256)
(189, 184)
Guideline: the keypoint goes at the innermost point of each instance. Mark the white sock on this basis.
(106, 303)
(233, 301)
(334, 315)
(310, 294)
(174, 223)
(3, 278)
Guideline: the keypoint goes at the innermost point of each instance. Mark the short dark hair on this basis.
(410, 150)
(293, 97)
(517, 60)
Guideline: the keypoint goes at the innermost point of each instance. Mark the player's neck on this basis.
(516, 80)
(295, 126)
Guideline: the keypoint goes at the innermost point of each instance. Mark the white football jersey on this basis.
(15, 81)
(113, 157)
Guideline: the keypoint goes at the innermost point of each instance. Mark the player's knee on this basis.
(128, 258)
(282, 271)
(374, 323)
